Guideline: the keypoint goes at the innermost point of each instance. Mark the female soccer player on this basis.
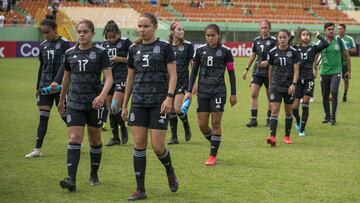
(51, 53)
(260, 50)
(184, 52)
(117, 48)
(86, 96)
(305, 84)
(152, 80)
(212, 59)
(283, 76)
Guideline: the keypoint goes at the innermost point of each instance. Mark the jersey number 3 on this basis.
(146, 59)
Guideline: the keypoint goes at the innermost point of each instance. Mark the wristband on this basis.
(293, 83)
(171, 95)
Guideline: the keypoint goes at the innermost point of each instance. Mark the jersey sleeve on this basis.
(104, 60)
(169, 54)
(191, 52)
(66, 46)
(228, 56)
(130, 58)
(66, 62)
(253, 47)
(196, 57)
(128, 43)
(271, 58)
(296, 57)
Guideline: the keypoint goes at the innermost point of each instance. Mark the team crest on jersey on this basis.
(289, 54)
(272, 96)
(119, 45)
(156, 49)
(92, 55)
(181, 48)
(268, 42)
(336, 47)
(57, 46)
(218, 52)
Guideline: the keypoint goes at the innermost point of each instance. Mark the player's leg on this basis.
(158, 134)
(44, 103)
(115, 140)
(299, 93)
(57, 99)
(334, 86)
(325, 91)
(94, 124)
(173, 120)
(267, 90)
(183, 117)
(346, 83)
(76, 123)
(309, 93)
(288, 100)
(139, 122)
(255, 88)
(203, 114)
(275, 101)
(116, 109)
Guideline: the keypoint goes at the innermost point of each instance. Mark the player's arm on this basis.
(230, 66)
(353, 49)
(271, 67)
(251, 60)
(64, 89)
(296, 59)
(99, 101)
(322, 44)
(346, 56)
(170, 60)
(39, 73)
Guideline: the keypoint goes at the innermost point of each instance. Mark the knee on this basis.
(158, 149)
(254, 96)
(216, 125)
(140, 144)
(73, 139)
(203, 128)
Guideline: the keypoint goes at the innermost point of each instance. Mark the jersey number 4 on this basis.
(82, 64)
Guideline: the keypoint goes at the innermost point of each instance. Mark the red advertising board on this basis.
(7, 49)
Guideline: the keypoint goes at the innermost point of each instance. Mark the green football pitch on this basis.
(321, 167)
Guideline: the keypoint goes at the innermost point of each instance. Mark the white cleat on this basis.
(35, 153)
(312, 99)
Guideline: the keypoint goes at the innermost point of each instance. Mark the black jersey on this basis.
(51, 53)
(151, 75)
(212, 62)
(120, 48)
(283, 67)
(183, 53)
(262, 48)
(307, 57)
(85, 67)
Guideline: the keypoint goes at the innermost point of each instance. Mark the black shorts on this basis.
(211, 104)
(117, 87)
(180, 89)
(260, 81)
(93, 117)
(304, 87)
(344, 70)
(276, 96)
(48, 100)
(148, 117)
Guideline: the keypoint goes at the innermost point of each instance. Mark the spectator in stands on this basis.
(28, 20)
(193, 4)
(5, 5)
(247, 12)
(15, 20)
(201, 4)
(2, 19)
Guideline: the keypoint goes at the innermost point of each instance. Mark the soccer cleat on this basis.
(187, 133)
(312, 99)
(333, 122)
(112, 142)
(267, 124)
(35, 153)
(173, 141)
(124, 135)
(344, 98)
(173, 183)
(252, 123)
(211, 161)
(302, 134)
(271, 140)
(287, 139)
(137, 195)
(68, 183)
(104, 127)
(326, 120)
(297, 126)
(94, 180)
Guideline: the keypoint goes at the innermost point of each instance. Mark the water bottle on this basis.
(47, 90)
(185, 106)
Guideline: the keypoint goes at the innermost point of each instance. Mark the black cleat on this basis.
(344, 98)
(68, 183)
(94, 180)
(267, 124)
(173, 141)
(333, 122)
(173, 183)
(187, 133)
(137, 195)
(252, 123)
(326, 120)
(124, 135)
(112, 142)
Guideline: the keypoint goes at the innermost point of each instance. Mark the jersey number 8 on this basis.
(210, 61)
